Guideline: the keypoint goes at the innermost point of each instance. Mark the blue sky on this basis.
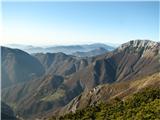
(46, 23)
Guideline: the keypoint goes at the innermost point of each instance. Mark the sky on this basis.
(65, 23)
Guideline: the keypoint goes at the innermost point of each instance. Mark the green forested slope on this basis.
(144, 105)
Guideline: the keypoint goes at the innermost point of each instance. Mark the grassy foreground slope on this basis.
(136, 100)
(144, 105)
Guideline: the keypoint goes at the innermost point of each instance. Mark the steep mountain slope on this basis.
(107, 92)
(95, 52)
(120, 65)
(58, 87)
(38, 96)
(141, 58)
(18, 66)
(142, 105)
(60, 63)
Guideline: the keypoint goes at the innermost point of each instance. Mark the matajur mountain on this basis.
(59, 78)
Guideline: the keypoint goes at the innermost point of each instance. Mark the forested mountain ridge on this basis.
(142, 105)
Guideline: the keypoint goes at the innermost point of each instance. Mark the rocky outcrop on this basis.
(107, 92)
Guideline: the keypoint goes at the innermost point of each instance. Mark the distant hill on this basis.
(95, 52)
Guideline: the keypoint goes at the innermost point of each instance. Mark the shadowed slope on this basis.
(19, 66)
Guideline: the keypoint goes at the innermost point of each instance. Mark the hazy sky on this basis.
(49, 23)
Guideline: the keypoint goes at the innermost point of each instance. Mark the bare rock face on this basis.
(146, 47)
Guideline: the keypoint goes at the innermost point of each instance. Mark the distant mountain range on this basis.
(67, 49)
(42, 84)
(91, 53)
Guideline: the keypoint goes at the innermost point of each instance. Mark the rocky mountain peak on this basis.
(140, 43)
(146, 47)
